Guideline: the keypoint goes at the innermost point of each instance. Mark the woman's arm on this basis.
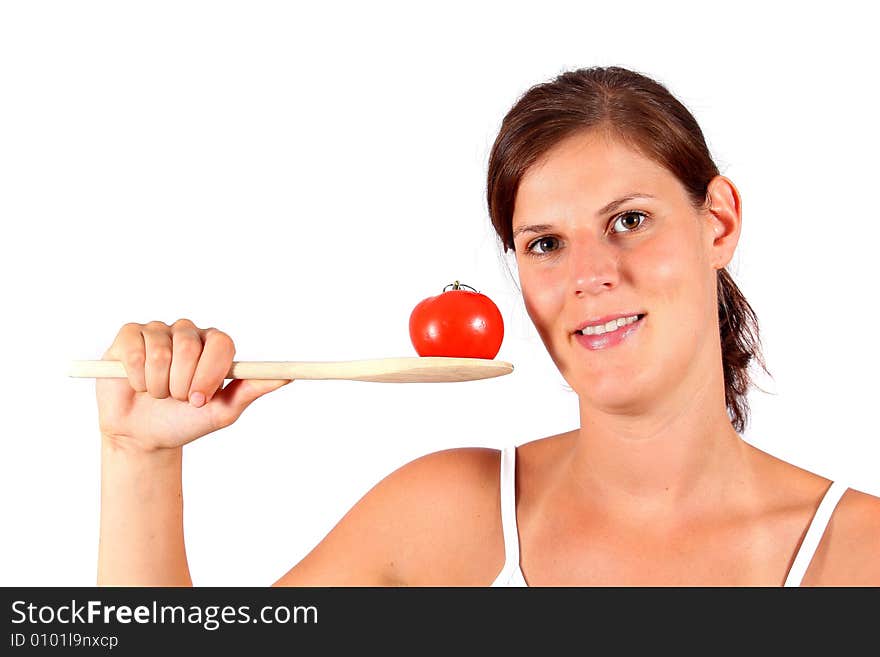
(141, 537)
(173, 394)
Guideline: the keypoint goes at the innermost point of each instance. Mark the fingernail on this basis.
(196, 399)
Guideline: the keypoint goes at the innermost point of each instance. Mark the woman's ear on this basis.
(725, 220)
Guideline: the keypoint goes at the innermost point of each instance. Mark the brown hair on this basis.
(642, 113)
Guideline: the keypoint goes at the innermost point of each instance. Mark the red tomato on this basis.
(457, 323)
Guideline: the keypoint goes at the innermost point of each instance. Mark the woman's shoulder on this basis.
(445, 480)
(445, 508)
(436, 477)
(452, 503)
(849, 554)
(431, 521)
(467, 470)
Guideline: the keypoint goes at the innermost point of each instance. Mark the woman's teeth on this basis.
(613, 325)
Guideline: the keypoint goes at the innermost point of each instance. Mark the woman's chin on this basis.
(611, 395)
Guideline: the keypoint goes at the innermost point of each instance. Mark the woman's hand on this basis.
(174, 391)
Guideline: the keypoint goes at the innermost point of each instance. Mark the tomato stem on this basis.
(457, 286)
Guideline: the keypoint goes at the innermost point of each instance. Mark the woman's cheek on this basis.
(667, 275)
(676, 288)
(544, 298)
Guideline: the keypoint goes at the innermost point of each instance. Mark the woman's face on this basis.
(586, 252)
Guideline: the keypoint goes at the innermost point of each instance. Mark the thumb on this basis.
(240, 393)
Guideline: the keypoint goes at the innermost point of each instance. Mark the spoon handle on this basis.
(389, 370)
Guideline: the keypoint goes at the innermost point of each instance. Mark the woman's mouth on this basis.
(609, 334)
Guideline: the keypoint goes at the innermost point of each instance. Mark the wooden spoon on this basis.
(427, 369)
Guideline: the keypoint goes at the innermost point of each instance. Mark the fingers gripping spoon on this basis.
(424, 369)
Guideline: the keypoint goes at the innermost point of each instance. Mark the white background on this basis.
(301, 177)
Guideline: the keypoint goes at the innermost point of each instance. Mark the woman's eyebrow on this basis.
(534, 228)
(611, 207)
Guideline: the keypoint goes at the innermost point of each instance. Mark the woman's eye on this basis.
(629, 221)
(542, 241)
(626, 222)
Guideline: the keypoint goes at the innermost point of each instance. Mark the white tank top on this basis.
(511, 573)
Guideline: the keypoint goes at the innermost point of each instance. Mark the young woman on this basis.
(602, 184)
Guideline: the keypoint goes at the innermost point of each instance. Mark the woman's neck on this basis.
(676, 460)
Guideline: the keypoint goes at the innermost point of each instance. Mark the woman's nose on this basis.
(594, 267)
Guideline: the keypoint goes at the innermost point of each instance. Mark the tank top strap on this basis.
(814, 534)
(508, 516)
